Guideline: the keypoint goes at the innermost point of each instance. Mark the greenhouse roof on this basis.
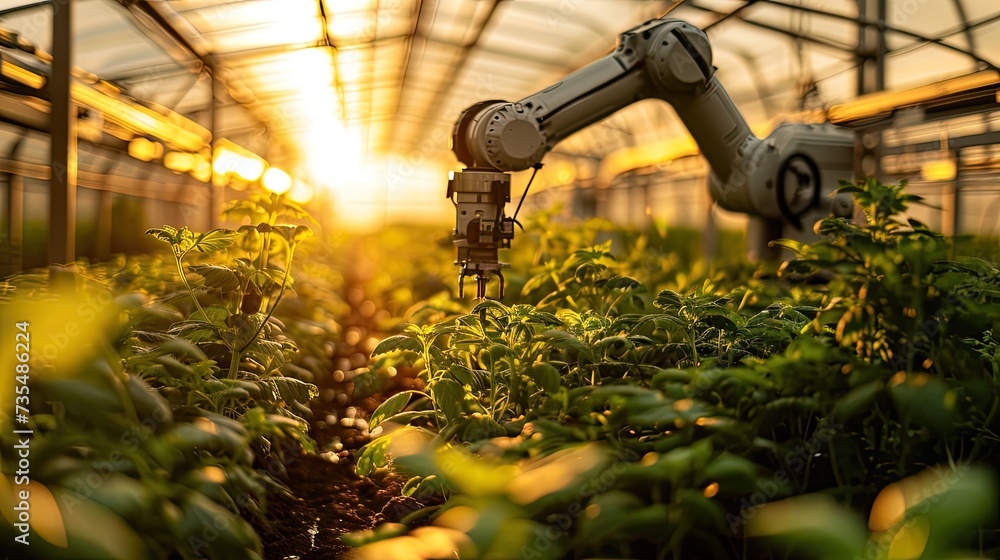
(326, 83)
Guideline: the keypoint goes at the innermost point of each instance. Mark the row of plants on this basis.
(160, 418)
(613, 418)
(572, 372)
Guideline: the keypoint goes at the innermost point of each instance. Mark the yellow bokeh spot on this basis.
(442, 542)
(949, 399)
(473, 475)
(34, 504)
(400, 548)
(460, 518)
(682, 405)
(62, 331)
(910, 540)
(711, 490)
(888, 509)
(205, 425)
(553, 473)
(214, 474)
(897, 378)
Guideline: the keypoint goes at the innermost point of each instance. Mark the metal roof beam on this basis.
(881, 25)
(463, 58)
(787, 32)
(15, 9)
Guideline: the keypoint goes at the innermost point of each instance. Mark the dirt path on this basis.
(330, 499)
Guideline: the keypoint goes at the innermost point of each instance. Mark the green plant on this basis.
(115, 470)
(706, 406)
(247, 287)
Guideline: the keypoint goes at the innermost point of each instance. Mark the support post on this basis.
(12, 261)
(871, 78)
(104, 205)
(216, 194)
(63, 146)
(956, 196)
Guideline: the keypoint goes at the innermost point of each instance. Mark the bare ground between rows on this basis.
(330, 500)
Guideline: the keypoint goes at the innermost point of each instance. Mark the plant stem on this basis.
(234, 363)
(989, 420)
(180, 271)
(277, 300)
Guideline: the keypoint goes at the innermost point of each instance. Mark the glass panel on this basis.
(251, 13)
(278, 33)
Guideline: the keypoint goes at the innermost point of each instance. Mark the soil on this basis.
(329, 498)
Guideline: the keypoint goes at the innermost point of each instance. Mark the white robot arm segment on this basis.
(777, 181)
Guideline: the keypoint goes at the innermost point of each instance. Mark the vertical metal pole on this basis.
(62, 184)
(13, 249)
(956, 196)
(947, 209)
(216, 195)
(104, 205)
(871, 78)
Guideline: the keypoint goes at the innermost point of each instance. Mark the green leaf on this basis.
(612, 510)
(623, 283)
(383, 532)
(536, 282)
(545, 376)
(858, 399)
(166, 234)
(373, 456)
(218, 277)
(966, 504)
(245, 208)
(925, 400)
(668, 300)
(734, 474)
(792, 245)
(423, 486)
(290, 390)
(215, 240)
(213, 314)
(287, 208)
(301, 233)
(390, 407)
(409, 416)
(448, 397)
(476, 428)
(566, 341)
(815, 524)
(397, 342)
(365, 384)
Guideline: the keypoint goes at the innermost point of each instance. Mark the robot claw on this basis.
(483, 277)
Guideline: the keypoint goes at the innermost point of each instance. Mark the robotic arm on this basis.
(779, 181)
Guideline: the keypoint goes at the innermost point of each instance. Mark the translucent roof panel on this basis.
(389, 77)
(106, 40)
